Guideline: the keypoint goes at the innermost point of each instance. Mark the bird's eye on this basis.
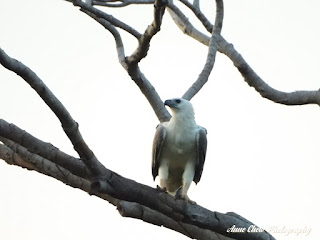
(178, 101)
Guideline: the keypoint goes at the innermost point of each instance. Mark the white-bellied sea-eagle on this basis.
(179, 149)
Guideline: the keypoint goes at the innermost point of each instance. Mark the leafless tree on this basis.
(85, 172)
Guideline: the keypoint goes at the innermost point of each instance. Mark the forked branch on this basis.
(69, 125)
(249, 75)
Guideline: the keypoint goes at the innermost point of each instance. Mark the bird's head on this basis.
(180, 106)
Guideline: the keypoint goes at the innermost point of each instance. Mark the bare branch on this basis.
(135, 210)
(100, 14)
(196, 4)
(213, 45)
(114, 32)
(20, 156)
(153, 29)
(130, 63)
(196, 10)
(43, 149)
(286, 98)
(253, 80)
(121, 3)
(157, 207)
(149, 92)
(70, 126)
(13, 158)
(178, 210)
(185, 25)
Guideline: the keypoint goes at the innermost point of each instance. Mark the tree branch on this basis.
(100, 14)
(253, 80)
(130, 64)
(151, 31)
(113, 187)
(70, 126)
(116, 35)
(149, 92)
(158, 207)
(14, 154)
(286, 98)
(120, 3)
(213, 45)
(178, 210)
(197, 12)
(135, 210)
(40, 148)
(185, 25)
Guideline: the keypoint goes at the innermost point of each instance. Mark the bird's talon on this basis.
(161, 189)
(185, 198)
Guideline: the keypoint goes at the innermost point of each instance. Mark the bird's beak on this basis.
(169, 103)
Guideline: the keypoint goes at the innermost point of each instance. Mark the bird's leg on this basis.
(187, 179)
(163, 175)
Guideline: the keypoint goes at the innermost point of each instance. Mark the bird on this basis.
(179, 150)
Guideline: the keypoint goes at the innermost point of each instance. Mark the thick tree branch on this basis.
(178, 210)
(13, 158)
(69, 125)
(117, 187)
(213, 45)
(14, 154)
(135, 210)
(40, 148)
(158, 207)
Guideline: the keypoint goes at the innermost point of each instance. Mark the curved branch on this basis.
(185, 25)
(130, 64)
(213, 45)
(286, 98)
(100, 14)
(253, 80)
(149, 92)
(69, 125)
(196, 10)
(114, 32)
(151, 31)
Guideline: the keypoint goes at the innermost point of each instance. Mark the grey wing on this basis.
(201, 151)
(158, 140)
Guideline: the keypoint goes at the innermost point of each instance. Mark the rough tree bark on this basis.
(133, 199)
